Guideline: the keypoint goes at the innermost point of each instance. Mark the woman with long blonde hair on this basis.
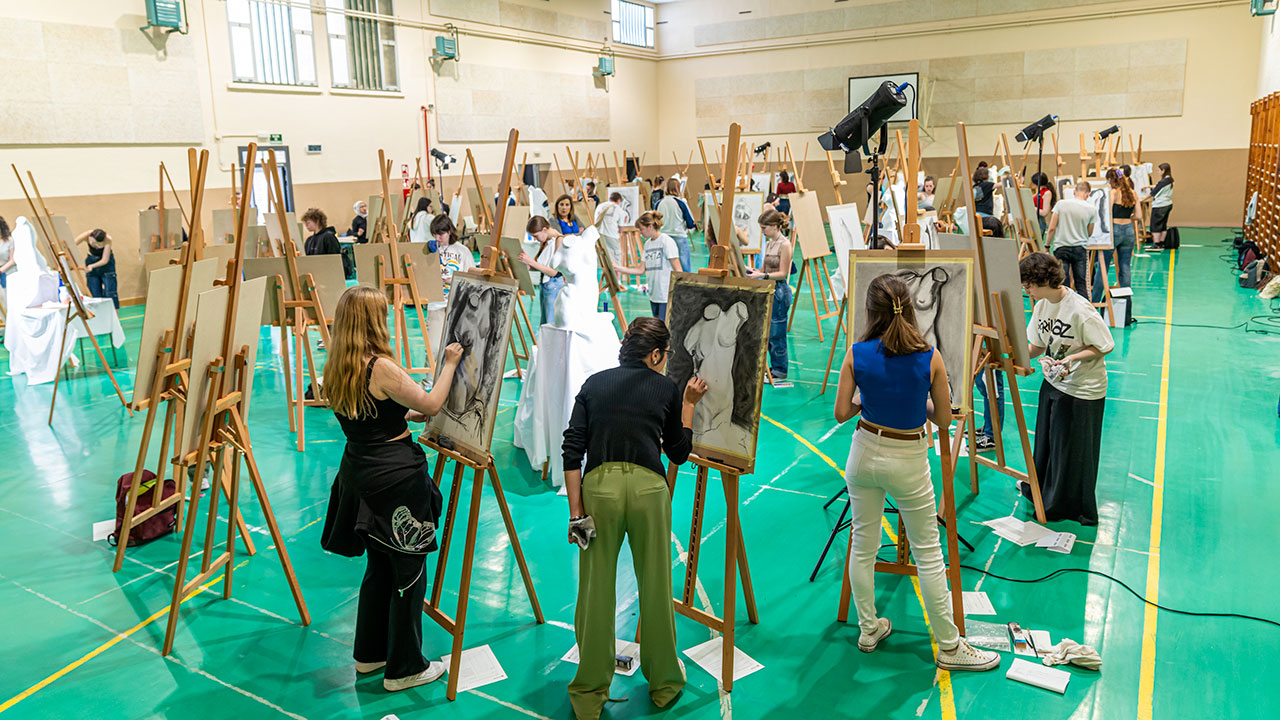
(902, 382)
(382, 502)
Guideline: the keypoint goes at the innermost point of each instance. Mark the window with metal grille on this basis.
(362, 44)
(271, 43)
(632, 23)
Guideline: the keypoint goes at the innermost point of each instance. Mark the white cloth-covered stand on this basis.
(43, 327)
(579, 343)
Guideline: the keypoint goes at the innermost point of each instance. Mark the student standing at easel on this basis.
(677, 221)
(1125, 210)
(1069, 230)
(99, 265)
(1067, 329)
(776, 267)
(623, 420)
(454, 257)
(548, 237)
(902, 382)
(1044, 201)
(661, 258)
(383, 503)
(7, 263)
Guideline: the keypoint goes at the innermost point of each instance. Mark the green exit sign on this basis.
(275, 137)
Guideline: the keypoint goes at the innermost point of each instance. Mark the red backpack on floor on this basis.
(156, 526)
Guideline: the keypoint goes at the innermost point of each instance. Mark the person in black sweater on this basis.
(360, 223)
(623, 419)
(321, 238)
(983, 199)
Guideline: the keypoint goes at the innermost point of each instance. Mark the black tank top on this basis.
(1121, 212)
(386, 423)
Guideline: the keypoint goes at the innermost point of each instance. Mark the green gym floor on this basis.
(1186, 492)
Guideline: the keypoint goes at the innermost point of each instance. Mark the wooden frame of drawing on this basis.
(941, 282)
(430, 287)
(1000, 256)
(631, 203)
(703, 310)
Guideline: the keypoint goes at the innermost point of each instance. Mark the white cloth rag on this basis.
(1070, 651)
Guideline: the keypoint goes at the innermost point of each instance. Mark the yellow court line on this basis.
(101, 648)
(944, 677)
(1147, 670)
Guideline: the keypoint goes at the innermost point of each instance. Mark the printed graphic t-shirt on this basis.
(1067, 327)
(658, 254)
(453, 258)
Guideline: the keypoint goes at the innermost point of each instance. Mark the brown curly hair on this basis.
(317, 216)
(1041, 269)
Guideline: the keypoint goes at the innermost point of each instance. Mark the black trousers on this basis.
(1068, 443)
(389, 619)
(1075, 263)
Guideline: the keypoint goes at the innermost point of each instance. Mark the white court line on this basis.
(830, 432)
(1135, 477)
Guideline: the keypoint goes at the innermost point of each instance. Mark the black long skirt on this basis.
(1068, 443)
(382, 494)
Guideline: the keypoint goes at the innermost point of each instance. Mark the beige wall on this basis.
(1269, 62)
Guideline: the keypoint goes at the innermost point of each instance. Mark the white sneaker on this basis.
(868, 643)
(966, 657)
(435, 669)
(366, 668)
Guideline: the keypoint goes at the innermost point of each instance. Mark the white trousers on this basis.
(435, 331)
(879, 465)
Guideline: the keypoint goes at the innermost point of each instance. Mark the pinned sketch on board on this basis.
(846, 235)
(941, 287)
(631, 206)
(478, 317)
(719, 332)
(1100, 199)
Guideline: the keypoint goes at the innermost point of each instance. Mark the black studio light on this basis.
(856, 129)
(1035, 131)
(444, 160)
(1104, 134)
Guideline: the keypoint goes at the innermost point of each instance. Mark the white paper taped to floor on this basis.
(480, 667)
(1039, 675)
(708, 657)
(1060, 542)
(1016, 531)
(977, 603)
(102, 529)
(621, 647)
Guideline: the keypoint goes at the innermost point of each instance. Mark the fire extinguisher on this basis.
(404, 173)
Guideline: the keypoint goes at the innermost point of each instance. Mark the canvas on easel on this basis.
(479, 317)
(426, 267)
(941, 287)
(720, 333)
(159, 314)
(224, 227)
(512, 247)
(1000, 256)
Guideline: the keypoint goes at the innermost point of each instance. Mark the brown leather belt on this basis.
(892, 434)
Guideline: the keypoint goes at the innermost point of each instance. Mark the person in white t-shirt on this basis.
(661, 258)
(454, 257)
(1070, 334)
(609, 217)
(1069, 230)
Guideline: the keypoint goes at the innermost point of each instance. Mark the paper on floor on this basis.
(708, 657)
(1039, 675)
(1060, 542)
(621, 647)
(102, 529)
(479, 667)
(977, 603)
(1016, 531)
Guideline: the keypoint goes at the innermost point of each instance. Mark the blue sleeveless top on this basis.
(894, 389)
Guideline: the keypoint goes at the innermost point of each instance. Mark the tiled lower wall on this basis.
(1111, 82)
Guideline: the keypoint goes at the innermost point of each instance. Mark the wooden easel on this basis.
(300, 310)
(171, 382)
(992, 350)
(1028, 237)
(225, 442)
(812, 267)
(396, 275)
(1095, 259)
(76, 310)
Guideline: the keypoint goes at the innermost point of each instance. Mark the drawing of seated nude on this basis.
(926, 293)
(713, 342)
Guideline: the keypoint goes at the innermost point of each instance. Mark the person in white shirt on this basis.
(1069, 231)
(420, 226)
(661, 258)
(1161, 205)
(1072, 338)
(609, 216)
(677, 220)
(454, 257)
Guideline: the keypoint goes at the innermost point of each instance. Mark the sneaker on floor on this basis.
(869, 643)
(435, 669)
(985, 444)
(366, 668)
(966, 657)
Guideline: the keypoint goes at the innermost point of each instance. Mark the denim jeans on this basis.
(879, 465)
(1075, 263)
(659, 310)
(103, 285)
(981, 385)
(1125, 239)
(686, 252)
(547, 293)
(778, 330)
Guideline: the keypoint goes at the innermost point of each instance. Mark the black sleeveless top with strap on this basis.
(385, 423)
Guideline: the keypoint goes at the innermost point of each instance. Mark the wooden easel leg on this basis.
(813, 297)
(437, 585)
(464, 587)
(300, 395)
(62, 348)
(695, 538)
(246, 449)
(748, 592)
(846, 586)
(103, 359)
(285, 364)
(515, 542)
(233, 503)
(733, 539)
(791, 318)
(240, 524)
(953, 547)
(131, 505)
(184, 556)
(835, 341)
(211, 517)
(1028, 455)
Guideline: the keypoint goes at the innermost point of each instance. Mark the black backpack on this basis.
(1171, 239)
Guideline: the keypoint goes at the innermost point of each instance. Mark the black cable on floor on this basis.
(1124, 585)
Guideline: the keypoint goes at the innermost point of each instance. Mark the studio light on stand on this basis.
(763, 148)
(443, 160)
(856, 129)
(1104, 134)
(1035, 133)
